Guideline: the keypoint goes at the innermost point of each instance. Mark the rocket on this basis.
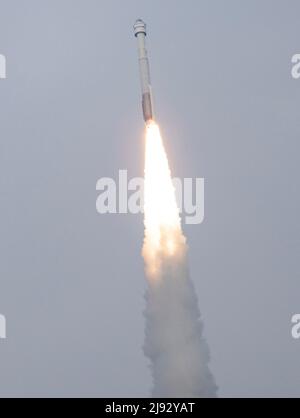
(147, 102)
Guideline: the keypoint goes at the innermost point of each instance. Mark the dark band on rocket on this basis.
(147, 107)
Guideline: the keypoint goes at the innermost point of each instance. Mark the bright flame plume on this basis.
(163, 235)
(174, 342)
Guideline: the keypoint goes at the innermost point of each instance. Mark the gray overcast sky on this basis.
(71, 280)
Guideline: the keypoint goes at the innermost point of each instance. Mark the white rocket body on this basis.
(147, 102)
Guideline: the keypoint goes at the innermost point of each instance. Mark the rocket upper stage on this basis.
(140, 33)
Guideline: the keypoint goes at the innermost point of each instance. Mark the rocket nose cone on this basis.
(139, 27)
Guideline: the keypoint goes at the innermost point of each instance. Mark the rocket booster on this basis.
(147, 102)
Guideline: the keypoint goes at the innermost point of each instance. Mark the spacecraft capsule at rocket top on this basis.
(147, 102)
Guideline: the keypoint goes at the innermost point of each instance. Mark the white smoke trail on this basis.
(174, 342)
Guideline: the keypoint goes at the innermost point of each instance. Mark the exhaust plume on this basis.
(174, 342)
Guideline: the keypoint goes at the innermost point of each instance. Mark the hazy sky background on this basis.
(71, 280)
